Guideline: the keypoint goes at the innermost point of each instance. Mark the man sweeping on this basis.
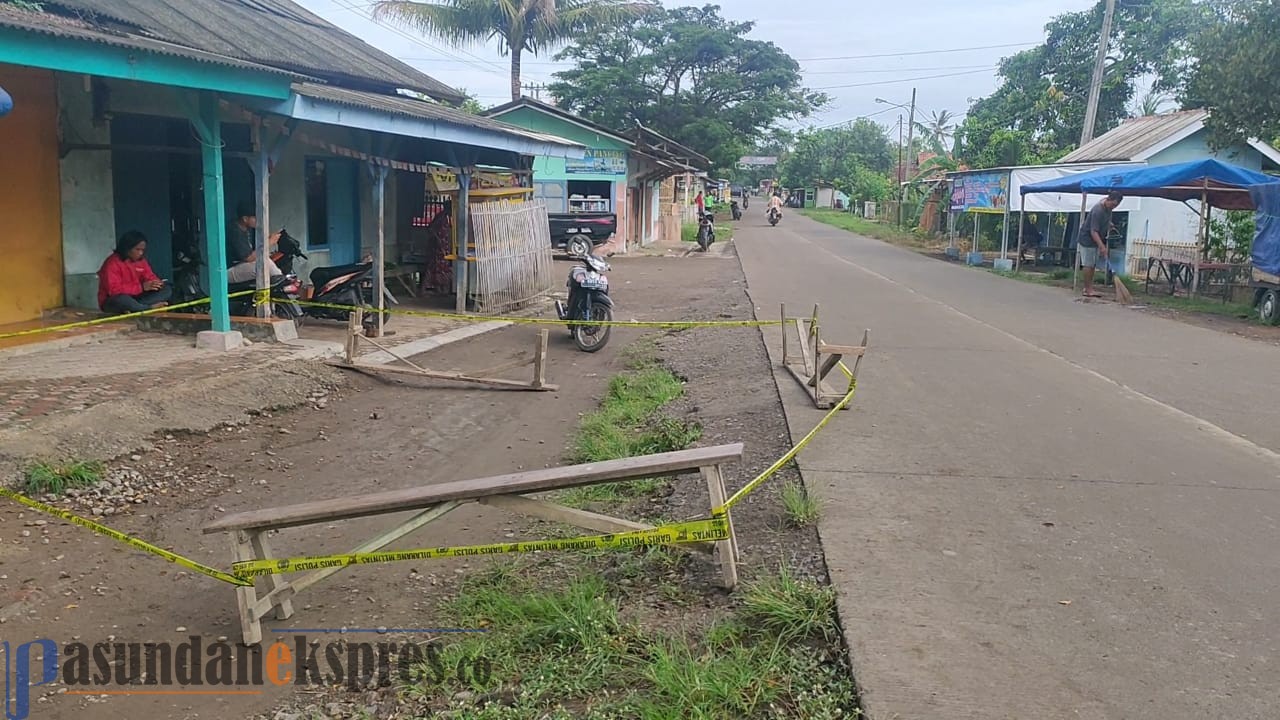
(1091, 241)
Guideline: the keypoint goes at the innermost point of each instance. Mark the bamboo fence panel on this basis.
(512, 254)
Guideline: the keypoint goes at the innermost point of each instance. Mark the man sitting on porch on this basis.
(242, 255)
(126, 282)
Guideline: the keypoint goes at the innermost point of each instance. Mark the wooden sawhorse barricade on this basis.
(817, 359)
(249, 529)
(356, 335)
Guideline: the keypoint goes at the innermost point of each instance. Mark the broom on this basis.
(1122, 293)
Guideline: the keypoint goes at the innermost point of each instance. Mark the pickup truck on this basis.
(577, 233)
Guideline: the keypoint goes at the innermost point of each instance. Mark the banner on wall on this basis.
(598, 162)
(981, 192)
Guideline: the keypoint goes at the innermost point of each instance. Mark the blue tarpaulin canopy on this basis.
(1266, 244)
(1224, 185)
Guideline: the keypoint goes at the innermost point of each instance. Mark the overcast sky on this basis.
(810, 31)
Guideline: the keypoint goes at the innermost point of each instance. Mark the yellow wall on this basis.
(30, 208)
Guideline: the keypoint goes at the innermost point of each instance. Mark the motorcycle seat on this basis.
(322, 275)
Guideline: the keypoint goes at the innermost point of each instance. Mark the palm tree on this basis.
(936, 130)
(519, 25)
(1151, 103)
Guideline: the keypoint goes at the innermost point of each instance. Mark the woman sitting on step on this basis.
(126, 282)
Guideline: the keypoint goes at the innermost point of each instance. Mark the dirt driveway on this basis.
(64, 583)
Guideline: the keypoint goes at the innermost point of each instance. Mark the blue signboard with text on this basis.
(598, 162)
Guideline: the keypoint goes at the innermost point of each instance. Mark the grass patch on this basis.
(567, 653)
(880, 231)
(629, 422)
(1055, 278)
(1201, 305)
(790, 608)
(44, 478)
(801, 508)
(689, 232)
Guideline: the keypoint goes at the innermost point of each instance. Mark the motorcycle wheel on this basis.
(703, 239)
(578, 247)
(590, 338)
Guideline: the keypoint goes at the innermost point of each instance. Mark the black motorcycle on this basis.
(337, 285)
(186, 288)
(589, 302)
(706, 230)
(733, 208)
(774, 215)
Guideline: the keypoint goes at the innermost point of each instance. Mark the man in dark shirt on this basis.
(241, 246)
(1091, 240)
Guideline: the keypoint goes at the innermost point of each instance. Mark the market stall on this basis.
(1211, 183)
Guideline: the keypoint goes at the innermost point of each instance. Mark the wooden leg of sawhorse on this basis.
(726, 551)
(252, 545)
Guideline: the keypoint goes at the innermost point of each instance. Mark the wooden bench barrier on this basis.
(249, 529)
(356, 335)
(817, 359)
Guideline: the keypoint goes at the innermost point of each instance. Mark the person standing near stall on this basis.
(1091, 241)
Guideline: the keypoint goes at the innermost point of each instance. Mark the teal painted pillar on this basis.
(209, 128)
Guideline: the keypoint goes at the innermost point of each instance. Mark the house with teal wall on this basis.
(595, 183)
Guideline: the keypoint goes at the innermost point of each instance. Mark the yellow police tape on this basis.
(118, 318)
(124, 538)
(709, 529)
(669, 324)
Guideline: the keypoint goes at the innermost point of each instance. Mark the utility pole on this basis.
(899, 169)
(911, 128)
(1099, 66)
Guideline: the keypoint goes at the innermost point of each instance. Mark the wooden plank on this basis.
(518, 362)
(440, 375)
(432, 513)
(850, 350)
(279, 587)
(573, 516)
(726, 552)
(354, 330)
(804, 346)
(785, 359)
(540, 360)
(521, 483)
(246, 596)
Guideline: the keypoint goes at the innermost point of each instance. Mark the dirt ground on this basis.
(366, 434)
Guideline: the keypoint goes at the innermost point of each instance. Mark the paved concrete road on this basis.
(1038, 508)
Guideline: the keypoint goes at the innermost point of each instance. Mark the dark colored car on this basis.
(577, 233)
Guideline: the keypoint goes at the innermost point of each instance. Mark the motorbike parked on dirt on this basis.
(186, 288)
(588, 303)
(706, 230)
(340, 285)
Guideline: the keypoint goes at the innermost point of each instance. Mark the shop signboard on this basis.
(598, 162)
(981, 192)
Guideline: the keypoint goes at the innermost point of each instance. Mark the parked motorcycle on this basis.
(733, 208)
(186, 288)
(706, 231)
(774, 215)
(346, 285)
(589, 301)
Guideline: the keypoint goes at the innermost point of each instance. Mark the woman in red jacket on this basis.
(126, 283)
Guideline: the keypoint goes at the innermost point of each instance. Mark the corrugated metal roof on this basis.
(275, 33)
(18, 18)
(557, 112)
(420, 109)
(1134, 137)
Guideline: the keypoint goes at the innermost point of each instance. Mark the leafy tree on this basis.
(520, 26)
(1237, 74)
(688, 73)
(830, 154)
(1044, 90)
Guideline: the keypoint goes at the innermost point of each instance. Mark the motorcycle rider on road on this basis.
(775, 203)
